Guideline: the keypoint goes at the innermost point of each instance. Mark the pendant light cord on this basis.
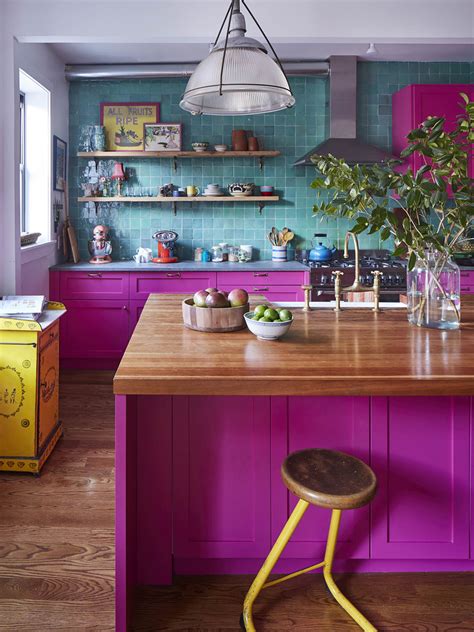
(221, 77)
(268, 42)
(223, 22)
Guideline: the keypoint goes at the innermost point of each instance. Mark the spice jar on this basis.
(225, 251)
(198, 254)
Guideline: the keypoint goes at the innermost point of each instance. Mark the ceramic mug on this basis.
(144, 255)
(192, 191)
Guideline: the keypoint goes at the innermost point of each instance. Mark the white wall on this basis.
(25, 270)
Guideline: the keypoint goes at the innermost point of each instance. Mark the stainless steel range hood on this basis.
(342, 141)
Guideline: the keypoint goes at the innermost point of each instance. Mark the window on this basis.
(22, 163)
(35, 157)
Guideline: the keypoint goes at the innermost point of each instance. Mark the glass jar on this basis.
(434, 292)
(98, 138)
(217, 254)
(233, 254)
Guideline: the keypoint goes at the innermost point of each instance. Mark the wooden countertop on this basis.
(355, 352)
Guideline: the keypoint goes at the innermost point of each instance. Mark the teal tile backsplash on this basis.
(292, 132)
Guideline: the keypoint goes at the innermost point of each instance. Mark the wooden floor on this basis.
(57, 562)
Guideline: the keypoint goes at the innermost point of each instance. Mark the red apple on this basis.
(200, 298)
(224, 293)
(238, 297)
(209, 290)
(216, 299)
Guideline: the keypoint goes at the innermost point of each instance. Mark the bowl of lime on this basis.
(269, 323)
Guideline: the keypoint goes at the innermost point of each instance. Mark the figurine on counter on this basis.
(100, 248)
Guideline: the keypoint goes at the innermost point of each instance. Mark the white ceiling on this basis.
(96, 53)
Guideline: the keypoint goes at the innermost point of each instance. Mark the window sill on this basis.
(37, 251)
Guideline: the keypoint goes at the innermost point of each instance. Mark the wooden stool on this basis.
(329, 479)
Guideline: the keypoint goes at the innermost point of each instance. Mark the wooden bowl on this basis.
(213, 319)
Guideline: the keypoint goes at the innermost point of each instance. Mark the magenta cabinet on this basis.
(242, 279)
(472, 478)
(467, 281)
(414, 103)
(420, 453)
(221, 473)
(143, 284)
(136, 308)
(93, 285)
(273, 293)
(95, 329)
(335, 423)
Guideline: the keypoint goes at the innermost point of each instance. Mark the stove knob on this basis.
(324, 279)
(398, 280)
(390, 280)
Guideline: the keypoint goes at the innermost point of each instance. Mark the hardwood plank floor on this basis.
(57, 559)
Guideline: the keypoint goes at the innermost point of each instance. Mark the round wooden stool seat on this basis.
(329, 479)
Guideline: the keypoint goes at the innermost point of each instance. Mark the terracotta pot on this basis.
(253, 143)
(239, 140)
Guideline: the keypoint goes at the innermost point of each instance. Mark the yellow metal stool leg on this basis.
(337, 594)
(270, 562)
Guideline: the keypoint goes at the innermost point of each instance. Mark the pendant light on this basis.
(238, 76)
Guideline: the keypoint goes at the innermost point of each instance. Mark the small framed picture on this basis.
(59, 164)
(162, 136)
(123, 124)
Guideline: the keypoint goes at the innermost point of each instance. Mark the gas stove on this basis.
(393, 279)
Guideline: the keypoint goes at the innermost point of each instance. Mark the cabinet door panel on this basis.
(420, 450)
(336, 423)
(95, 329)
(141, 285)
(48, 392)
(136, 309)
(221, 470)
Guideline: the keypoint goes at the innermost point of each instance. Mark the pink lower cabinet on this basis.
(95, 329)
(420, 453)
(275, 286)
(221, 472)
(467, 281)
(145, 283)
(93, 285)
(136, 308)
(336, 423)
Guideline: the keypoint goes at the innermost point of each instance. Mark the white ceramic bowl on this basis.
(220, 148)
(267, 331)
(200, 146)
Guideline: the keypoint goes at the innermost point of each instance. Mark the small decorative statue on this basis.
(100, 248)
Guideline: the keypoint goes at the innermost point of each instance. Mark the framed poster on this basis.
(59, 164)
(124, 122)
(162, 136)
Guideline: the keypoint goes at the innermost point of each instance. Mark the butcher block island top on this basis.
(355, 352)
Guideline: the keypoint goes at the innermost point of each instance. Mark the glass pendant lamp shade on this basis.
(237, 77)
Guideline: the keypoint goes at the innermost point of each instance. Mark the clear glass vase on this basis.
(433, 289)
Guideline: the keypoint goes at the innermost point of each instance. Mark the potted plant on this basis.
(428, 214)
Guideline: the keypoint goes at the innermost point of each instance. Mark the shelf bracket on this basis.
(261, 162)
(261, 206)
(175, 164)
(173, 204)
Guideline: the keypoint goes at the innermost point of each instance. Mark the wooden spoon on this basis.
(288, 237)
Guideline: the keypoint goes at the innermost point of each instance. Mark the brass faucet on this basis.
(357, 285)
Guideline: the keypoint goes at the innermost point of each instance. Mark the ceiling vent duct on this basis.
(343, 142)
(101, 72)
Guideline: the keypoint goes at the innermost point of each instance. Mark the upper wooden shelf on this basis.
(173, 200)
(178, 154)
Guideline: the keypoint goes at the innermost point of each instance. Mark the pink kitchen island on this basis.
(203, 422)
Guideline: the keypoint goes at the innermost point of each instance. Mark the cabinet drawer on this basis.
(141, 285)
(94, 285)
(242, 279)
(279, 293)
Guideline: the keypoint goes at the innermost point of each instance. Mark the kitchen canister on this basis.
(279, 253)
(98, 138)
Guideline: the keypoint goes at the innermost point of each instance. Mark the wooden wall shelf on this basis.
(179, 200)
(178, 154)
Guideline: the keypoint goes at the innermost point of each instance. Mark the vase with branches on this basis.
(428, 213)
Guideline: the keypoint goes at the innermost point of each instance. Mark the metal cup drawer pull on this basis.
(173, 275)
(261, 289)
(94, 275)
(260, 274)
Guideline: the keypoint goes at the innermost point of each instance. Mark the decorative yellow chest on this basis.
(29, 380)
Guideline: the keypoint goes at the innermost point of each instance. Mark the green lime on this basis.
(259, 310)
(277, 320)
(271, 313)
(255, 317)
(265, 320)
(285, 314)
(278, 309)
